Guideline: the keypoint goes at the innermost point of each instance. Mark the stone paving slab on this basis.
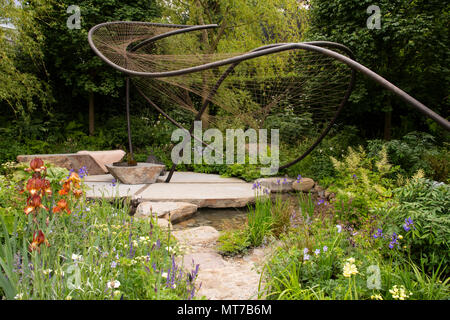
(212, 195)
(195, 177)
(99, 178)
(107, 190)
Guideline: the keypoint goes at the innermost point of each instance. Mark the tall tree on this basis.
(243, 25)
(410, 49)
(21, 59)
(74, 68)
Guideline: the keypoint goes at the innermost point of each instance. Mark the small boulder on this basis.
(304, 185)
(164, 224)
(173, 211)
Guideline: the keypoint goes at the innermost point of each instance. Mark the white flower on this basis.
(113, 284)
(351, 260)
(339, 228)
(164, 274)
(18, 296)
(77, 257)
(400, 293)
(47, 271)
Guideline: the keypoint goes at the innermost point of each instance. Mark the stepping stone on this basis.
(99, 178)
(276, 184)
(197, 236)
(108, 191)
(195, 177)
(172, 211)
(213, 195)
(305, 184)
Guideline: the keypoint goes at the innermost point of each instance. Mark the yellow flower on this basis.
(400, 293)
(376, 297)
(400, 236)
(349, 269)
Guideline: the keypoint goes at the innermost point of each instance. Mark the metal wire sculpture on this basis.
(309, 81)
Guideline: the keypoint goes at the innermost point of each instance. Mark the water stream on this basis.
(220, 219)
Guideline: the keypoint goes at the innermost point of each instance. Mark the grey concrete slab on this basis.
(213, 195)
(195, 177)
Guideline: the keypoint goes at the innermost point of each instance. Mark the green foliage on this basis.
(233, 242)
(416, 151)
(410, 50)
(98, 244)
(317, 165)
(311, 261)
(427, 203)
(361, 183)
(21, 51)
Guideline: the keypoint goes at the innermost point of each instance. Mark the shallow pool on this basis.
(220, 219)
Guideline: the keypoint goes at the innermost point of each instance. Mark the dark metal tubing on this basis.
(309, 46)
(353, 64)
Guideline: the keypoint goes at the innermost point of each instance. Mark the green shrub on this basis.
(234, 242)
(416, 150)
(361, 183)
(426, 203)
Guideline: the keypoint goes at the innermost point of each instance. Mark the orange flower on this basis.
(37, 241)
(77, 192)
(47, 187)
(65, 189)
(33, 203)
(62, 205)
(36, 165)
(75, 178)
(36, 184)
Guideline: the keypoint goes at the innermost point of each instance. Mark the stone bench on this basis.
(94, 161)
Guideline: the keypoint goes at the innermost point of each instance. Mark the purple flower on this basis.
(305, 251)
(113, 182)
(113, 264)
(355, 177)
(408, 223)
(317, 252)
(306, 257)
(394, 240)
(299, 177)
(325, 248)
(82, 171)
(379, 233)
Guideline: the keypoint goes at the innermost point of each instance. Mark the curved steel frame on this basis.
(315, 46)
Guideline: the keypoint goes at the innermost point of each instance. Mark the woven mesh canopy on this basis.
(278, 85)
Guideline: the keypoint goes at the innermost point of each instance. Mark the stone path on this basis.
(220, 278)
